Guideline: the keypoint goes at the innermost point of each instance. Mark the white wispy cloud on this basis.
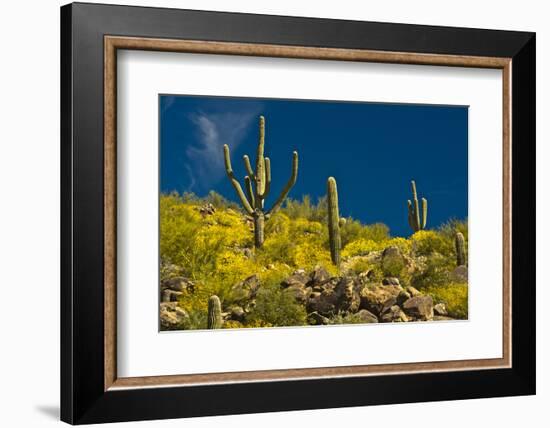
(206, 164)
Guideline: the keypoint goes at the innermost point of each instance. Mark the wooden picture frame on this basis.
(91, 390)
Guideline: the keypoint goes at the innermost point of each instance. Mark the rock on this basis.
(171, 316)
(366, 317)
(300, 293)
(460, 274)
(247, 289)
(336, 295)
(207, 209)
(324, 302)
(237, 313)
(298, 278)
(367, 275)
(391, 281)
(440, 309)
(442, 318)
(413, 291)
(170, 295)
(419, 307)
(378, 298)
(317, 319)
(247, 252)
(348, 298)
(394, 314)
(319, 275)
(402, 297)
(178, 283)
(392, 251)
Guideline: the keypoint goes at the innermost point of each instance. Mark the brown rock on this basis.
(394, 314)
(440, 309)
(170, 295)
(378, 298)
(298, 278)
(319, 275)
(413, 291)
(171, 316)
(366, 316)
(419, 307)
(391, 281)
(348, 298)
(178, 283)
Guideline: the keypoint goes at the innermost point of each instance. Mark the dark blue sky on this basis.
(373, 150)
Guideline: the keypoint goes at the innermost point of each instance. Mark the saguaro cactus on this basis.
(460, 249)
(417, 221)
(258, 184)
(214, 312)
(334, 221)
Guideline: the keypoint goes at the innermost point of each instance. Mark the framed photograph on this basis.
(266, 213)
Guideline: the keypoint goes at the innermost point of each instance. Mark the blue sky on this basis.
(372, 149)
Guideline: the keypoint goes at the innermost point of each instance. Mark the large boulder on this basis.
(298, 278)
(378, 298)
(348, 298)
(171, 316)
(319, 276)
(324, 302)
(335, 296)
(178, 283)
(300, 293)
(419, 307)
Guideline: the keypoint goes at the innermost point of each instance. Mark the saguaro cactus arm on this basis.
(236, 185)
(417, 220)
(249, 191)
(424, 212)
(267, 178)
(248, 167)
(289, 184)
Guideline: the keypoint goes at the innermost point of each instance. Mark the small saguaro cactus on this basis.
(257, 185)
(334, 221)
(214, 312)
(460, 249)
(417, 220)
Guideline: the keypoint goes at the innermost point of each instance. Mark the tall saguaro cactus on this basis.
(214, 312)
(334, 221)
(460, 249)
(417, 220)
(258, 184)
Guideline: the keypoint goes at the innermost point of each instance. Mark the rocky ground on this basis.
(351, 297)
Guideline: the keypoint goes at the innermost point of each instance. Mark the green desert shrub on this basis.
(426, 242)
(305, 209)
(353, 230)
(276, 307)
(436, 271)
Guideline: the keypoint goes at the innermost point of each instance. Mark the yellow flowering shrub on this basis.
(362, 247)
(426, 242)
(454, 296)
